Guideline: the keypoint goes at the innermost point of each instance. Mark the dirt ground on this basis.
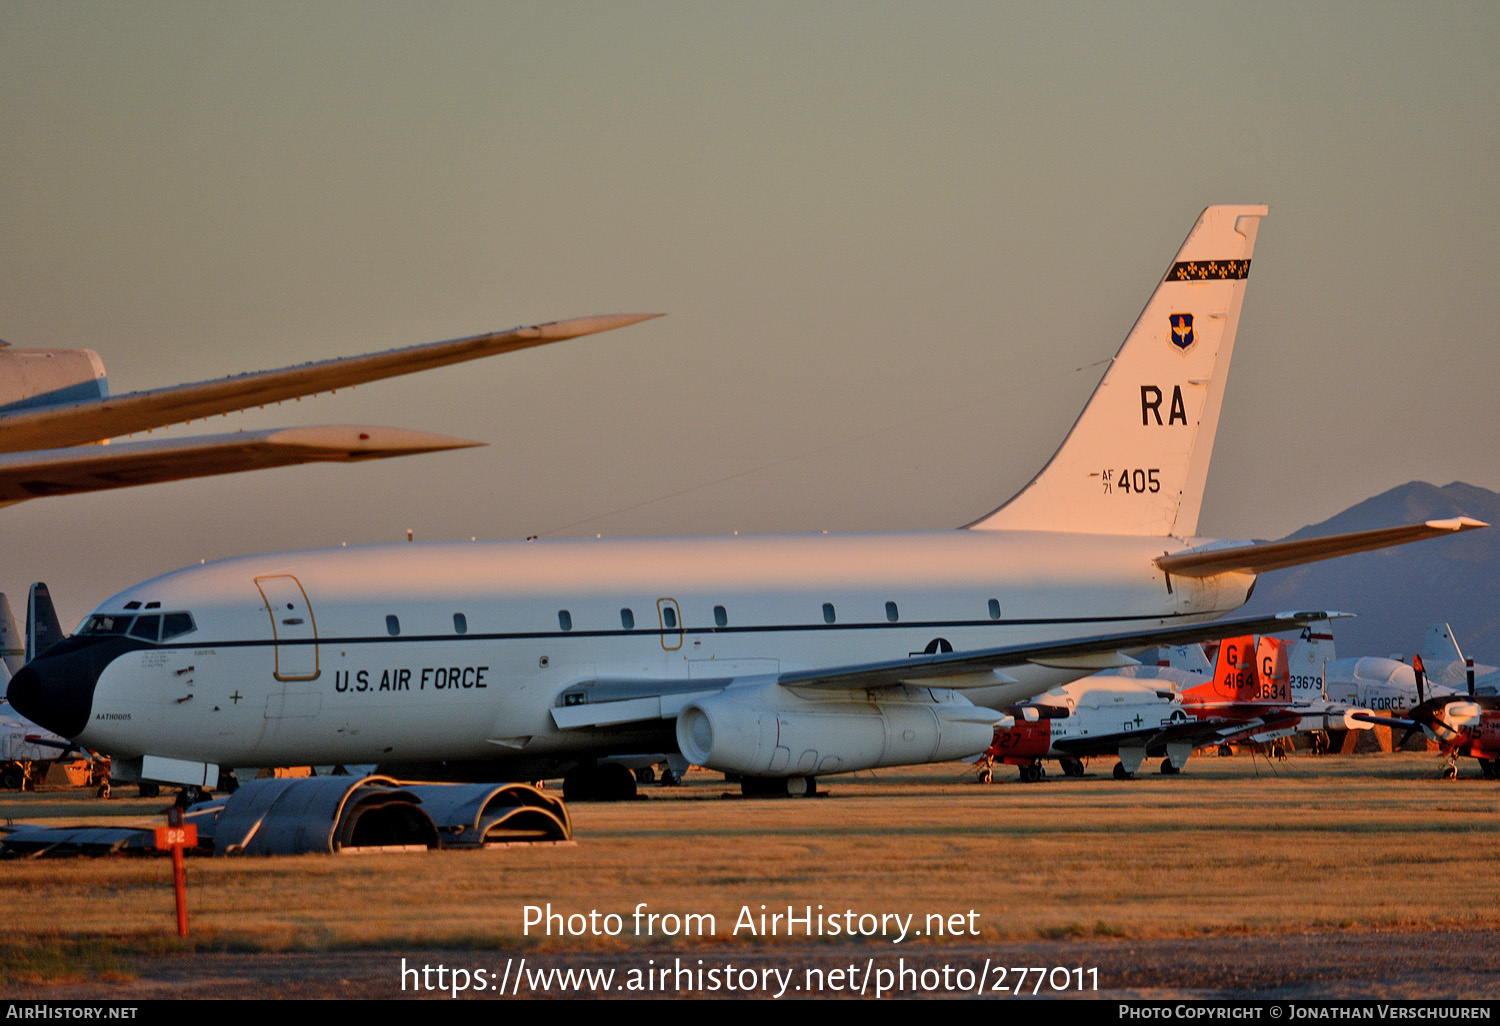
(1353, 877)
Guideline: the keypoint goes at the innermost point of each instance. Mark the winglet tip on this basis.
(1456, 524)
(576, 326)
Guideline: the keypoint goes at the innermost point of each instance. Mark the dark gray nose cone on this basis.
(56, 690)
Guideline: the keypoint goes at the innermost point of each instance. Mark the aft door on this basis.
(292, 627)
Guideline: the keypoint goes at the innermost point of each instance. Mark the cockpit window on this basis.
(147, 628)
(151, 627)
(107, 623)
(173, 624)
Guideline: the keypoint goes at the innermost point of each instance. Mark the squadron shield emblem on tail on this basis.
(1182, 337)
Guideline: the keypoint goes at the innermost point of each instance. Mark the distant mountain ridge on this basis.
(1398, 592)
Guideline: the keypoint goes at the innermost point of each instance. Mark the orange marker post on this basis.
(176, 835)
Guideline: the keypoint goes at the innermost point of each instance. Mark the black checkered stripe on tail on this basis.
(1209, 270)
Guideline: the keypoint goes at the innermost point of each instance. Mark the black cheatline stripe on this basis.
(1209, 270)
(768, 629)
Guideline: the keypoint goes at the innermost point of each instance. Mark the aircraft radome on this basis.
(54, 403)
(777, 658)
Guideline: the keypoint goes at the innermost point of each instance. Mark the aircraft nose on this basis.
(56, 690)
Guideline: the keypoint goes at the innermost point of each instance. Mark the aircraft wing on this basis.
(28, 475)
(980, 669)
(1263, 556)
(607, 703)
(1153, 739)
(91, 420)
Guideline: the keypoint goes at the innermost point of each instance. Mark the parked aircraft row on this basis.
(777, 658)
(1167, 711)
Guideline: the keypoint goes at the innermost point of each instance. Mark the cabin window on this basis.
(828, 616)
(891, 612)
(132, 605)
(669, 617)
(147, 628)
(994, 609)
(392, 625)
(174, 624)
(565, 619)
(627, 619)
(153, 605)
(460, 623)
(721, 617)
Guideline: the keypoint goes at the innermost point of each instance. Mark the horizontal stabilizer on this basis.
(1263, 556)
(28, 475)
(80, 423)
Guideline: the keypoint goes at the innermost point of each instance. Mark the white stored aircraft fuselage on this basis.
(779, 658)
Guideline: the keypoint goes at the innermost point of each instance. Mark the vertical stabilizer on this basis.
(1439, 647)
(1309, 658)
(12, 645)
(1136, 460)
(42, 627)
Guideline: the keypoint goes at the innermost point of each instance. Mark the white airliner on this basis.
(778, 658)
(55, 402)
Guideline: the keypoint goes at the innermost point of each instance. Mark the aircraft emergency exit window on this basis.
(994, 609)
(721, 617)
(174, 624)
(627, 619)
(460, 624)
(565, 619)
(669, 618)
(392, 625)
(828, 616)
(891, 612)
(147, 628)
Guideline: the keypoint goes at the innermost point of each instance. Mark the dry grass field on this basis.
(1233, 846)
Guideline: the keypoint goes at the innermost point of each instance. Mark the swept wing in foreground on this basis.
(54, 401)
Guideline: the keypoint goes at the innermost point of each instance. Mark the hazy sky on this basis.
(886, 235)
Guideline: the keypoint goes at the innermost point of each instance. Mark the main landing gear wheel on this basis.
(1072, 767)
(610, 782)
(150, 790)
(1168, 770)
(1033, 774)
(1121, 773)
(779, 787)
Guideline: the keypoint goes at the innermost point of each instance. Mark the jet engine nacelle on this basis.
(765, 730)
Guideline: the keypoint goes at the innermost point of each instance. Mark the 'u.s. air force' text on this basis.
(406, 678)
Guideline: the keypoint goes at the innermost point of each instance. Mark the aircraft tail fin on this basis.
(1439, 646)
(12, 645)
(42, 627)
(1248, 669)
(1309, 656)
(1188, 658)
(1136, 460)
